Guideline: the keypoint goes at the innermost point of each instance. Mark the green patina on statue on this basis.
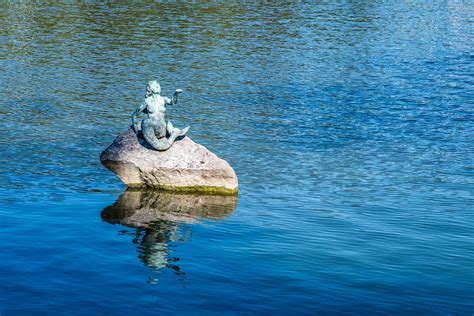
(158, 134)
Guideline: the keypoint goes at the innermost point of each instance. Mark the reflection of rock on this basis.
(141, 208)
(186, 166)
(157, 215)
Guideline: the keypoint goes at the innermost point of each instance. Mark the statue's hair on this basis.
(153, 87)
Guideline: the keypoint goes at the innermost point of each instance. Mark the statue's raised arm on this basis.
(174, 99)
(159, 134)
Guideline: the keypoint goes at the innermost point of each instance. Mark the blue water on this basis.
(349, 125)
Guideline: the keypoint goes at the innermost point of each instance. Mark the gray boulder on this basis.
(186, 166)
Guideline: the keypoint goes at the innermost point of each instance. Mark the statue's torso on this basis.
(155, 107)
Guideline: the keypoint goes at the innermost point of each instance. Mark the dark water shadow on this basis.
(159, 219)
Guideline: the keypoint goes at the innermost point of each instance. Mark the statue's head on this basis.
(153, 87)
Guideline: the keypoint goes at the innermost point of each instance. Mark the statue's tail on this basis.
(176, 132)
(149, 134)
(162, 143)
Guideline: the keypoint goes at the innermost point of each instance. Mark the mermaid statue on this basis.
(157, 133)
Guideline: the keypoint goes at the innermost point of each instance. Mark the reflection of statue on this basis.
(156, 131)
(157, 215)
(152, 243)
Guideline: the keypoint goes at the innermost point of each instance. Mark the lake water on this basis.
(349, 125)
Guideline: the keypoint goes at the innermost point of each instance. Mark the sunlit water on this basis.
(350, 127)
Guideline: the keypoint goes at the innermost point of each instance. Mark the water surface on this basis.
(349, 125)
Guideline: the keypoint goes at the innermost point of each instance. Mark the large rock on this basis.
(186, 166)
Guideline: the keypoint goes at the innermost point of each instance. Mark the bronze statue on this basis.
(159, 134)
